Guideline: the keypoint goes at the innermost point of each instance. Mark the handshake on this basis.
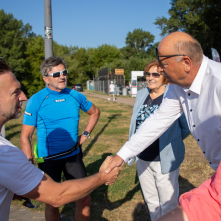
(110, 169)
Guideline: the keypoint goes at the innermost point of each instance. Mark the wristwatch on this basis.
(86, 134)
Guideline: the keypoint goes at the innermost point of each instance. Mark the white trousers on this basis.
(160, 191)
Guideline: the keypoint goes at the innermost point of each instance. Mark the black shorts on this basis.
(72, 167)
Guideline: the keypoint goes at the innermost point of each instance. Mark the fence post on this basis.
(103, 86)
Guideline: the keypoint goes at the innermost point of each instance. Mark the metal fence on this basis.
(102, 83)
(141, 85)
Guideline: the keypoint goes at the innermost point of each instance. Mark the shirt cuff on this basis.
(125, 153)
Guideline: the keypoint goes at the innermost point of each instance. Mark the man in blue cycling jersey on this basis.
(54, 111)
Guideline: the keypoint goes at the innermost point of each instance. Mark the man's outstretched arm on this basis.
(57, 194)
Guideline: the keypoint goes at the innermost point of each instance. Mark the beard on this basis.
(13, 115)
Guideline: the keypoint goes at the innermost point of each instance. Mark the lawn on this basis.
(123, 200)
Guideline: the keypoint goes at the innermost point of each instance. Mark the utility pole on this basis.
(48, 29)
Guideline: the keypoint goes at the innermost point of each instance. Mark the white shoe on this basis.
(114, 99)
(108, 99)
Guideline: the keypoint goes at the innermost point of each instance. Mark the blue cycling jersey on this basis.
(56, 116)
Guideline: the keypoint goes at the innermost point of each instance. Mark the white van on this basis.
(134, 75)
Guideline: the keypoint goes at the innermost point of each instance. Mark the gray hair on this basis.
(191, 49)
(51, 62)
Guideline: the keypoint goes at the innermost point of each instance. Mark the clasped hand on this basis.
(111, 168)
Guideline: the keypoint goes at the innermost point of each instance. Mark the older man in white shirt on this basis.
(197, 93)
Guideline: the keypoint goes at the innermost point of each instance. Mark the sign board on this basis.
(119, 71)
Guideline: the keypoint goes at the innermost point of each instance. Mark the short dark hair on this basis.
(51, 62)
(4, 67)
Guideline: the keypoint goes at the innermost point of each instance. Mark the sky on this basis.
(91, 23)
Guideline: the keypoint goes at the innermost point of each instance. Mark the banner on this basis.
(215, 55)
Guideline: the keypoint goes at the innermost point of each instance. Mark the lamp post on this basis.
(48, 29)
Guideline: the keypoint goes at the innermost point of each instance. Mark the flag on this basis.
(215, 55)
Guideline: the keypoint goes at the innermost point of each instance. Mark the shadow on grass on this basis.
(10, 132)
(12, 126)
(11, 135)
(141, 213)
(100, 200)
(185, 185)
(112, 117)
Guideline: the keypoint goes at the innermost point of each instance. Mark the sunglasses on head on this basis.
(58, 73)
(155, 74)
(167, 56)
(28, 203)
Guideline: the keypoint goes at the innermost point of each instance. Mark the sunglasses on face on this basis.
(28, 203)
(167, 56)
(155, 74)
(58, 73)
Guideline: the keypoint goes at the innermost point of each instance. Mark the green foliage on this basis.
(13, 41)
(32, 79)
(200, 18)
(137, 43)
(24, 52)
(105, 53)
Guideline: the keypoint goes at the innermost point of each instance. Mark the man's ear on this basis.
(187, 64)
(45, 79)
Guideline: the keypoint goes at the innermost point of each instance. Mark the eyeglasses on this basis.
(58, 73)
(28, 203)
(155, 74)
(167, 56)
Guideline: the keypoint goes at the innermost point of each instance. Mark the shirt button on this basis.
(191, 110)
(188, 94)
(193, 125)
(203, 151)
(210, 163)
(198, 139)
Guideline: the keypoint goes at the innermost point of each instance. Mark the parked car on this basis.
(77, 87)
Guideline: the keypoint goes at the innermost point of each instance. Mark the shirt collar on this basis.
(56, 92)
(197, 83)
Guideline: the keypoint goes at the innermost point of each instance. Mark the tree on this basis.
(32, 80)
(13, 40)
(137, 43)
(200, 18)
(105, 53)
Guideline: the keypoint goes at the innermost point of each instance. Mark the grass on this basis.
(123, 200)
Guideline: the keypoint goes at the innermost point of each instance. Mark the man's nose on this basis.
(22, 96)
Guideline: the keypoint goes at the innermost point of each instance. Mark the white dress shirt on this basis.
(201, 104)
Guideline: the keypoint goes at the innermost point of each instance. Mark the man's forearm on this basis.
(26, 147)
(57, 194)
(25, 139)
(92, 121)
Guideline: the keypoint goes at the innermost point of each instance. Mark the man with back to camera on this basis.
(197, 93)
(54, 111)
(111, 91)
(18, 175)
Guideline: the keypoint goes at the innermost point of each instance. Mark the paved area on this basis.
(123, 100)
(25, 214)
